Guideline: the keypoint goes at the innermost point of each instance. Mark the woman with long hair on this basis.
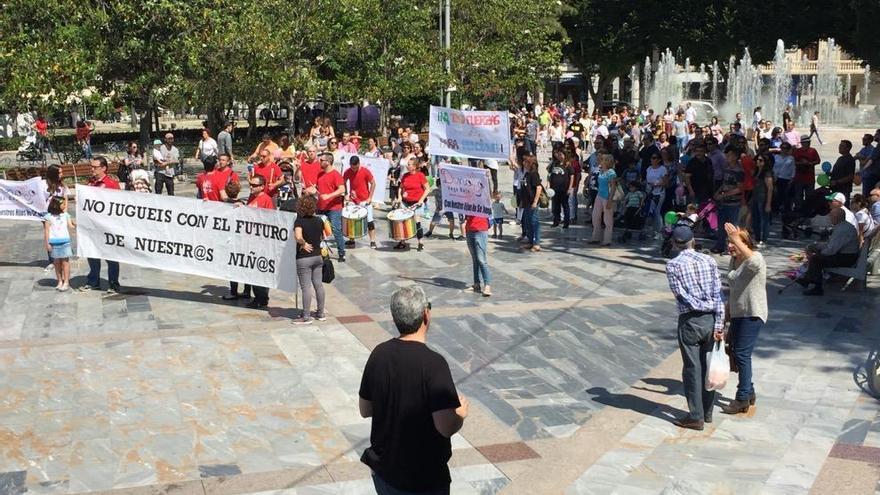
(762, 199)
(603, 209)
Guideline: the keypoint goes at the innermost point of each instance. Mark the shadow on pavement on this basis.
(439, 282)
(670, 386)
(634, 403)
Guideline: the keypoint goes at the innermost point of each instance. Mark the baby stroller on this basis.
(706, 221)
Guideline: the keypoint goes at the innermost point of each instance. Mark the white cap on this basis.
(493, 164)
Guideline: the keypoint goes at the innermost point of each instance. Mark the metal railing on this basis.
(812, 67)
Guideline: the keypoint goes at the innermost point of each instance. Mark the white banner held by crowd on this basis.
(469, 134)
(466, 190)
(207, 238)
(23, 200)
(379, 168)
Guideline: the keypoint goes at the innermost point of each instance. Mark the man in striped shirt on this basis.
(694, 280)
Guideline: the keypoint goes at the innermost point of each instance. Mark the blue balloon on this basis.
(826, 167)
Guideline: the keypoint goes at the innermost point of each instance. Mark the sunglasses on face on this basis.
(253, 184)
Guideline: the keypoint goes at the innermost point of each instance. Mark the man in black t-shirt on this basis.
(699, 176)
(844, 170)
(407, 389)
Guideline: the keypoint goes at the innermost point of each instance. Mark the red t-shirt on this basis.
(805, 174)
(42, 127)
(413, 186)
(106, 182)
(261, 200)
(270, 173)
(476, 224)
(748, 165)
(310, 172)
(205, 187)
(329, 182)
(219, 179)
(358, 183)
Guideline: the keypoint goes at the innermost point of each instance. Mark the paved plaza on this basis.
(572, 369)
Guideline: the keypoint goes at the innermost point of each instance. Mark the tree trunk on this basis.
(215, 118)
(385, 118)
(251, 118)
(146, 123)
(156, 118)
(598, 95)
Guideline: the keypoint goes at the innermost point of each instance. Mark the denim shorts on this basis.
(61, 251)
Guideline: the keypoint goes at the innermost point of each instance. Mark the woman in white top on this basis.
(207, 146)
(557, 132)
(655, 177)
(864, 220)
(717, 131)
(373, 149)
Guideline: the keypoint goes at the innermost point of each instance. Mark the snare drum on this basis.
(401, 224)
(354, 222)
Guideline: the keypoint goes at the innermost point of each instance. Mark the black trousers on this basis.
(261, 294)
(167, 181)
(559, 204)
(820, 262)
(246, 291)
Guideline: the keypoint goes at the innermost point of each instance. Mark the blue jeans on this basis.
(743, 335)
(760, 220)
(335, 217)
(383, 488)
(94, 276)
(533, 229)
(476, 243)
(726, 214)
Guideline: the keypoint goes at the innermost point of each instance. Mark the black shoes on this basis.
(256, 305)
(231, 297)
(736, 407)
(691, 424)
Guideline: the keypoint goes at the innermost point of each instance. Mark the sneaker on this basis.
(459, 238)
(373, 245)
(451, 237)
(349, 243)
(342, 258)
(302, 320)
(420, 247)
(429, 233)
(114, 289)
(474, 289)
(256, 305)
(87, 287)
(487, 291)
(320, 317)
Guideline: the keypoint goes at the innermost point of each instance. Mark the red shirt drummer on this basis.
(361, 186)
(413, 191)
(360, 182)
(328, 183)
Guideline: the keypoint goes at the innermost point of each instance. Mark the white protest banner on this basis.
(23, 200)
(466, 190)
(469, 134)
(207, 238)
(379, 168)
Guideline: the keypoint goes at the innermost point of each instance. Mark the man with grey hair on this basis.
(407, 389)
(694, 280)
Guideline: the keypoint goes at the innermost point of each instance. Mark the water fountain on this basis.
(746, 87)
(781, 82)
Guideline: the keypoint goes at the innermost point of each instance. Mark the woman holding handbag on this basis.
(603, 209)
(308, 230)
(747, 311)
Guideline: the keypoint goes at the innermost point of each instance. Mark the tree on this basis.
(504, 47)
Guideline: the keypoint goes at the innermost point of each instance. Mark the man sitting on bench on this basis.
(841, 250)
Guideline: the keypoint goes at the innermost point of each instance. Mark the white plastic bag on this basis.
(717, 367)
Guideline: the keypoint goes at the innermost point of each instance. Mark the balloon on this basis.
(824, 180)
(826, 167)
(670, 217)
(551, 193)
(430, 181)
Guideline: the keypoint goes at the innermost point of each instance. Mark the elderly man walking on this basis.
(407, 390)
(694, 280)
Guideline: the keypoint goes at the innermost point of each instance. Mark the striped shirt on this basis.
(694, 280)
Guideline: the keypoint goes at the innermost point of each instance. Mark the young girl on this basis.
(58, 239)
(498, 212)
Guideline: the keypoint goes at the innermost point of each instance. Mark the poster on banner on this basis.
(379, 167)
(466, 190)
(469, 134)
(23, 200)
(205, 238)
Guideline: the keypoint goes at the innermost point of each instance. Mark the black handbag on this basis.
(328, 273)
